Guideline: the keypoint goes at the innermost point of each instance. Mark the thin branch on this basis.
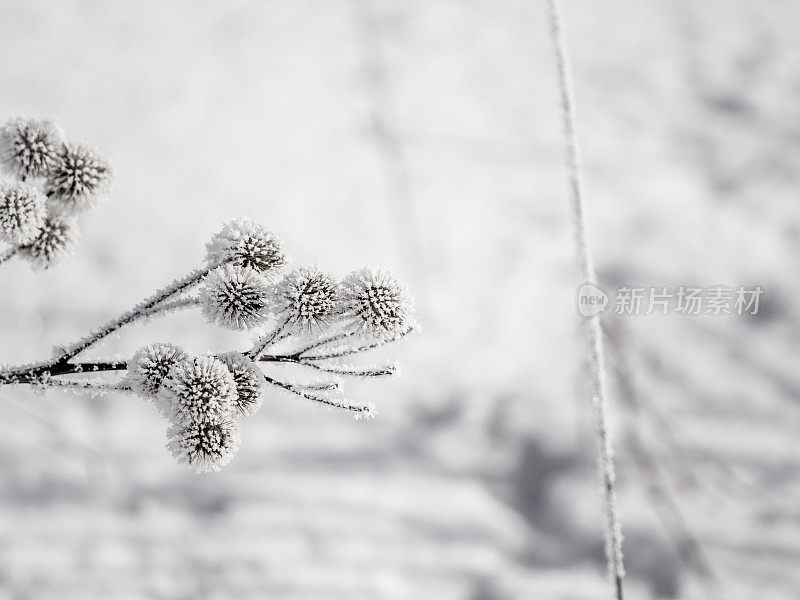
(134, 314)
(318, 386)
(612, 529)
(265, 340)
(325, 341)
(40, 373)
(386, 371)
(95, 386)
(357, 350)
(689, 549)
(165, 308)
(361, 409)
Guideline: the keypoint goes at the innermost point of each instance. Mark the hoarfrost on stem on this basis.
(312, 317)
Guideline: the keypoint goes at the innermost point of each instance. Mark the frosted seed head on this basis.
(77, 180)
(247, 243)
(198, 390)
(307, 298)
(376, 303)
(204, 446)
(150, 365)
(57, 239)
(249, 382)
(22, 212)
(235, 297)
(29, 147)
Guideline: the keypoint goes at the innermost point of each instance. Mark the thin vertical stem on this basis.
(598, 368)
(389, 143)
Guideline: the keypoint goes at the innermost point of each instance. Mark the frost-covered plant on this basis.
(307, 298)
(22, 212)
(613, 530)
(376, 303)
(303, 317)
(236, 297)
(49, 181)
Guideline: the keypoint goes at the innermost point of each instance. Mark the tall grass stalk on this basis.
(613, 531)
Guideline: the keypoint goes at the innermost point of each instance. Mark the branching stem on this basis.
(265, 340)
(137, 312)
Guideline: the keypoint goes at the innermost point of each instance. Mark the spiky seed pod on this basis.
(376, 303)
(235, 297)
(150, 365)
(247, 243)
(198, 390)
(204, 446)
(29, 147)
(306, 298)
(78, 179)
(57, 239)
(249, 382)
(22, 212)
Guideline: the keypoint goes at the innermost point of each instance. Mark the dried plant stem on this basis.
(61, 365)
(385, 371)
(326, 341)
(172, 306)
(265, 340)
(45, 375)
(357, 408)
(137, 312)
(40, 374)
(351, 351)
(94, 386)
(613, 532)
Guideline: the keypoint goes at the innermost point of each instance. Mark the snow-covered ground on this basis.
(424, 135)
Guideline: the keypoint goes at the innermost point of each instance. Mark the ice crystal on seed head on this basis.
(248, 379)
(198, 390)
(57, 239)
(244, 242)
(306, 298)
(235, 297)
(77, 179)
(376, 303)
(29, 147)
(150, 365)
(204, 446)
(22, 212)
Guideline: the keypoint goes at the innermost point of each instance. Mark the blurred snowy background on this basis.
(424, 135)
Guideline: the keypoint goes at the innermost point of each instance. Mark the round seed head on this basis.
(29, 147)
(57, 239)
(198, 390)
(204, 446)
(78, 179)
(249, 382)
(306, 298)
(22, 212)
(150, 365)
(235, 297)
(376, 303)
(244, 242)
